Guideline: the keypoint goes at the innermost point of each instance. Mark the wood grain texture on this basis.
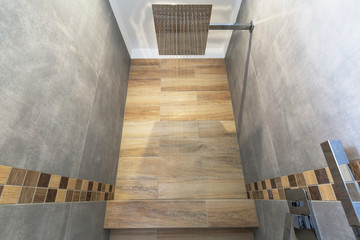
(205, 234)
(144, 85)
(160, 129)
(139, 147)
(199, 188)
(217, 129)
(180, 214)
(145, 167)
(162, 98)
(221, 167)
(142, 113)
(236, 213)
(133, 234)
(155, 214)
(136, 189)
(194, 84)
(196, 113)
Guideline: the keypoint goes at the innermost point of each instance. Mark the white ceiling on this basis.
(137, 26)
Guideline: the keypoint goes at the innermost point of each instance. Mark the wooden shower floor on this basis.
(179, 137)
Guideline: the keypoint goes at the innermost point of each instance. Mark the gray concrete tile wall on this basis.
(301, 77)
(63, 78)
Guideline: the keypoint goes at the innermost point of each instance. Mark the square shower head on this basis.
(181, 29)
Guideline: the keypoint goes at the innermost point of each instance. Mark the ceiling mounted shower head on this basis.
(181, 29)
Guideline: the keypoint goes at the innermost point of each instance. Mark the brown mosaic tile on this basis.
(88, 196)
(76, 196)
(51, 195)
(4, 173)
(310, 177)
(256, 186)
(1, 190)
(252, 187)
(60, 196)
(292, 180)
(100, 185)
(69, 195)
(103, 187)
(90, 187)
(282, 194)
(106, 196)
(78, 184)
(44, 180)
(355, 169)
(268, 184)
(64, 182)
(285, 181)
(247, 186)
(300, 179)
(93, 196)
(85, 185)
(353, 191)
(107, 187)
(327, 192)
(266, 194)
(273, 183)
(26, 195)
(248, 195)
(83, 196)
(276, 194)
(329, 175)
(10, 194)
(16, 177)
(98, 196)
(278, 182)
(31, 178)
(40, 194)
(102, 196)
(321, 176)
(263, 185)
(54, 181)
(95, 186)
(71, 183)
(314, 193)
(270, 193)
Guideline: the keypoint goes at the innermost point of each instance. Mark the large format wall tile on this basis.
(294, 86)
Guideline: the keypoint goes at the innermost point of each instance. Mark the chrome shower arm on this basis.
(232, 26)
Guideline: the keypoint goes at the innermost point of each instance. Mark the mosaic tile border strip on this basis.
(318, 183)
(22, 186)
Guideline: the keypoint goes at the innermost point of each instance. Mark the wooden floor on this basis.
(179, 137)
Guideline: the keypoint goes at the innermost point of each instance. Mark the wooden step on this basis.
(140, 214)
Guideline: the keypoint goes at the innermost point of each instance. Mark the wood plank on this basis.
(199, 188)
(160, 129)
(154, 72)
(213, 97)
(194, 84)
(142, 113)
(197, 113)
(144, 167)
(212, 147)
(136, 189)
(162, 98)
(221, 167)
(206, 234)
(144, 85)
(238, 213)
(133, 234)
(155, 214)
(139, 147)
(217, 129)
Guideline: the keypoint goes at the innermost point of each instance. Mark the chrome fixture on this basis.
(299, 223)
(346, 186)
(182, 29)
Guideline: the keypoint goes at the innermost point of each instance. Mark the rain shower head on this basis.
(182, 29)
